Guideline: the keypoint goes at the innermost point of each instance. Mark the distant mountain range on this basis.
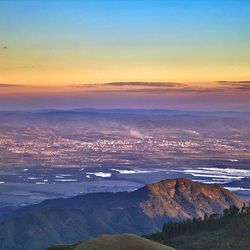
(83, 217)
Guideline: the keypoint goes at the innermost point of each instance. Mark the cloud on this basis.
(134, 84)
(242, 86)
(7, 85)
(142, 90)
(146, 84)
(145, 88)
(233, 82)
(93, 85)
(137, 134)
(236, 85)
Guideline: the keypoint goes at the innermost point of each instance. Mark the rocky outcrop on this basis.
(182, 199)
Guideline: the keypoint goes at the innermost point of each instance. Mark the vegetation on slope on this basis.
(54, 226)
(87, 216)
(230, 231)
(115, 242)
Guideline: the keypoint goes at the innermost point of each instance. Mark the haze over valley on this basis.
(52, 153)
(124, 125)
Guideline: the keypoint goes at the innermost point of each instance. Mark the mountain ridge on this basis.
(182, 194)
(82, 217)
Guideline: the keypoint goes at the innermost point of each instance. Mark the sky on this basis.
(188, 54)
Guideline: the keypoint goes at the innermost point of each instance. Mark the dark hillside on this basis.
(228, 231)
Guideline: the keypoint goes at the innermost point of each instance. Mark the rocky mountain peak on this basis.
(182, 199)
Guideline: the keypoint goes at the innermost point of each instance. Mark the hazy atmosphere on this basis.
(124, 124)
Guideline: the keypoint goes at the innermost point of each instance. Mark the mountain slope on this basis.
(116, 242)
(175, 199)
(86, 216)
(228, 231)
(37, 230)
(182, 199)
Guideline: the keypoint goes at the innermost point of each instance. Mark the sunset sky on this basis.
(125, 53)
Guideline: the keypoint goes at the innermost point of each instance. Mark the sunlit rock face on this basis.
(82, 217)
(182, 199)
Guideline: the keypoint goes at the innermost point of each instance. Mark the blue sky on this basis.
(56, 43)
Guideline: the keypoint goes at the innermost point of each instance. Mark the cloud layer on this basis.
(226, 95)
(146, 84)
(166, 87)
(7, 85)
